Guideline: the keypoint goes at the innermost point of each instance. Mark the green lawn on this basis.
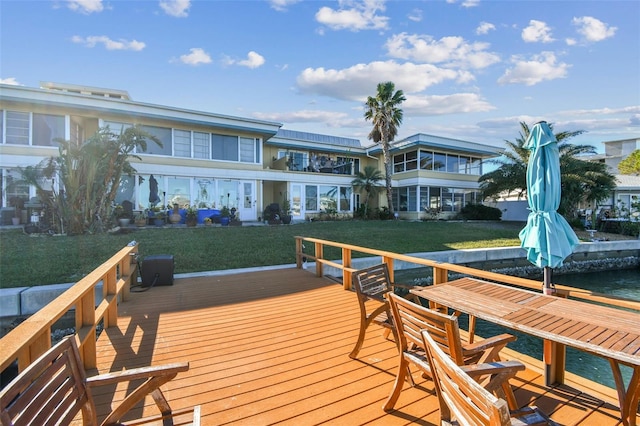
(36, 260)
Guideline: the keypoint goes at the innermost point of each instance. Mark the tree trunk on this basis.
(387, 171)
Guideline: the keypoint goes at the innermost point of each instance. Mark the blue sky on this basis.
(469, 69)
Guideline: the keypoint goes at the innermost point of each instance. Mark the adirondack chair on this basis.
(464, 401)
(55, 389)
(411, 318)
(371, 286)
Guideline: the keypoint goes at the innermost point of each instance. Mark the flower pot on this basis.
(124, 222)
(175, 218)
(15, 220)
(158, 221)
(286, 219)
(224, 221)
(191, 221)
(140, 222)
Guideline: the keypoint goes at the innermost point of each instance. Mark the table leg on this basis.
(628, 398)
(554, 355)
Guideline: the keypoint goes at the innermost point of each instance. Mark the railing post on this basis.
(319, 255)
(440, 275)
(346, 267)
(389, 262)
(298, 252)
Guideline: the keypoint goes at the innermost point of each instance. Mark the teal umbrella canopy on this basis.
(547, 237)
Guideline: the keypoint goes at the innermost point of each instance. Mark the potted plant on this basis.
(121, 216)
(285, 212)
(272, 214)
(234, 219)
(140, 219)
(192, 216)
(208, 221)
(225, 214)
(18, 204)
(158, 215)
(175, 216)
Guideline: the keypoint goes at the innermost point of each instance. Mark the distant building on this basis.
(627, 192)
(213, 160)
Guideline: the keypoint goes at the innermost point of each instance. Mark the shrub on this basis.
(480, 212)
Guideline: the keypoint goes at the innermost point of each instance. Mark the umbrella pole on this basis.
(547, 286)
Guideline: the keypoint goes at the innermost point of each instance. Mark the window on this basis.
(179, 191)
(476, 166)
(182, 143)
(311, 197)
(47, 128)
(405, 199)
(247, 151)
(164, 135)
(17, 131)
(329, 198)
(435, 201)
(426, 160)
(439, 162)
(224, 147)
(201, 145)
(447, 200)
(406, 161)
(452, 163)
(345, 198)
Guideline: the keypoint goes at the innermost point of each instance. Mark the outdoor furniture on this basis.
(601, 330)
(410, 318)
(372, 285)
(462, 398)
(55, 389)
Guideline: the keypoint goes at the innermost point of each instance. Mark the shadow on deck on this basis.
(272, 347)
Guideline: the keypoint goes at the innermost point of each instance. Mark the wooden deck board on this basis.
(272, 347)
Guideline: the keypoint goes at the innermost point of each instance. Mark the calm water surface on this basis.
(623, 283)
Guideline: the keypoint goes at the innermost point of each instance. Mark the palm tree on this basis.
(369, 182)
(581, 180)
(383, 110)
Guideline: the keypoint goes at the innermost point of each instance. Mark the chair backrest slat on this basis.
(412, 318)
(460, 396)
(373, 282)
(50, 390)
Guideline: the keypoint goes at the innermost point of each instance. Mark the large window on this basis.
(17, 131)
(224, 147)
(311, 198)
(328, 198)
(182, 143)
(345, 198)
(164, 135)
(406, 161)
(247, 150)
(47, 128)
(201, 145)
(405, 199)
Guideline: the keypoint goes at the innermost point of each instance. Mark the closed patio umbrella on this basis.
(547, 237)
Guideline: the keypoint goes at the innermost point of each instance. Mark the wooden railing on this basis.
(31, 338)
(440, 270)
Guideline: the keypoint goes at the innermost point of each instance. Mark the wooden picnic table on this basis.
(608, 332)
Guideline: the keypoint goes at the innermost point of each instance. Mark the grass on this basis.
(37, 260)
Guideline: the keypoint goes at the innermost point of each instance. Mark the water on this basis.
(623, 283)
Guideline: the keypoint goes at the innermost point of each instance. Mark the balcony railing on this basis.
(31, 338)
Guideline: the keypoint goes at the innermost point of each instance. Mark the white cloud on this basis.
(359, 81)
(10, 81)
(593, 29)
(415, 15)
(470, 3)
(570, 41)
(456, 103)
(196, 57)
(85, 6)
(282, 5)
(448, 50)
(254, 60)
(536, 32)
(539, 68)
(484, 28)
(354, 16)
(109, 44)
(176, 8)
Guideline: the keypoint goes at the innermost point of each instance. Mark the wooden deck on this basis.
(272, 347)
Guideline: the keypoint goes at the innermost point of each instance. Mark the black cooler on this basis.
(157, 270)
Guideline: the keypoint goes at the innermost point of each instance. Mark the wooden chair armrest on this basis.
(488, 350)
(495, 376)
(155, 376)
(137, 373)
(490, 368)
